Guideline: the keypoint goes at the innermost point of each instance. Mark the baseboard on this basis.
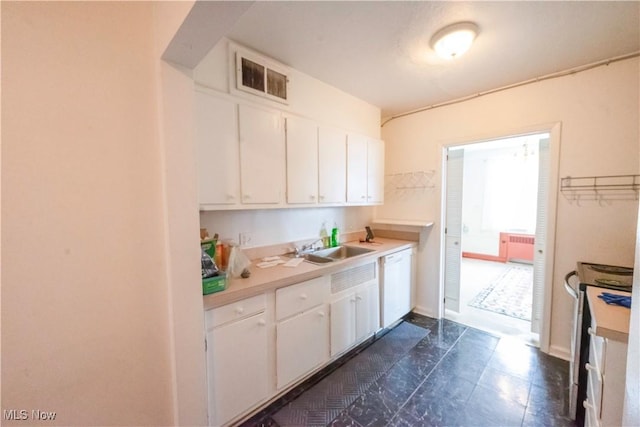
(560, 352)
(484, 257)
(424, 312)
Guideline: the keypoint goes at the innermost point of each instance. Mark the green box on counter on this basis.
(214, 284)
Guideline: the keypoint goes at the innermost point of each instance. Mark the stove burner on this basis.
(611, 269)
(612, 282)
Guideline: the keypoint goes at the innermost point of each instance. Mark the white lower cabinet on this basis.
(236, 359)
(302, 330)
(354, 316)
(302, 344)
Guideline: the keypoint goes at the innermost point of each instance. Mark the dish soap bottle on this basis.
(326, 240)
(335, 236)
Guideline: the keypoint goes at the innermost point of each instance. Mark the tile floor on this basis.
(428, 372)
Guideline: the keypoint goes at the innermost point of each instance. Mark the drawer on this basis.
(298, 298)
(594, 389)
(590, 417)
(234, 311)
(597, 348)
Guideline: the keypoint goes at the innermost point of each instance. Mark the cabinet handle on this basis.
(321, 313)
(352, 300)
(591, 331)
(239, 310)
(312, 197)
(592, 368)
(587, 405)
(358, 298)
(230, 197)
(362, 197)
(303, 296)
(246, 196)
(262, 322)
(321, 197)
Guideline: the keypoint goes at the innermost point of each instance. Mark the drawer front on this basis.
(298, 298)
(234, 311)
(597, 348)
(590, 418)
(594, 388)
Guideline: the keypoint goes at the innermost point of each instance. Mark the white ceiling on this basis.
(379, 51)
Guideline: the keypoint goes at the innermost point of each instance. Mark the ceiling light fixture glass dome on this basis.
(454, 40)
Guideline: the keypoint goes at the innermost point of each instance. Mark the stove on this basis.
(605, 276)
(601, 276)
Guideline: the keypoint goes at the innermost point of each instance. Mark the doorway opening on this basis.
(496, 194)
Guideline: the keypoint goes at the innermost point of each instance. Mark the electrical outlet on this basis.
(245, 238)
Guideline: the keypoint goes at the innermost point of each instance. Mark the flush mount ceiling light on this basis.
(454, 40)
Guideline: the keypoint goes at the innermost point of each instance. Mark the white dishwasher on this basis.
(396, 286)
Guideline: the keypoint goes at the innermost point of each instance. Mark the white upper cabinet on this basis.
(262, 155)
(302, 160)
(356, 169)
(216, 134)
(365, 170)
(375, 171)
(332, 165)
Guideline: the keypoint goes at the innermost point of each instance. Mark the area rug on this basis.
(509, 294)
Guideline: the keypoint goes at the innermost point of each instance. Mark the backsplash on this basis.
(253, 228)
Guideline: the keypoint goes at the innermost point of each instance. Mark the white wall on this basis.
(599, 114)
(85, 325)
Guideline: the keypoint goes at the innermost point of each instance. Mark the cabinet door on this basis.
(302, 160)
(237, 368)
(302, 344)
(375, 171)
(332, 165)
(343, 323)
(367, 311)
(216, 133)
(262, 156)
(356, 169)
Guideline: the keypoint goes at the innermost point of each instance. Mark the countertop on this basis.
(612, 321)
(266, 279)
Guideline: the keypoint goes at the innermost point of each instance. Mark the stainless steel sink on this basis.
(317, 259)
(342, 252)
(324, 256)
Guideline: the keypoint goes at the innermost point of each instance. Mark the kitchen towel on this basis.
(614, 299)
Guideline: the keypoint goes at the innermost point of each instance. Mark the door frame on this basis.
(554, 130)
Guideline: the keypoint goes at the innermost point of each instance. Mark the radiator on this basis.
(520, 247)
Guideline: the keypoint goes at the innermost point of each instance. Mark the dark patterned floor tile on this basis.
(372, 409)
(264, 422)
(509, 386)
(492, 408)
(288, 416)
(552, 372)
(464, 366)
(478, 338)
(344, 420)
(421, 363)
(548, 402)
(547, 420)
(420, 320)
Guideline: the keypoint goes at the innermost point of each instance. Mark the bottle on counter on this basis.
(324, 235)
(335, 236)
